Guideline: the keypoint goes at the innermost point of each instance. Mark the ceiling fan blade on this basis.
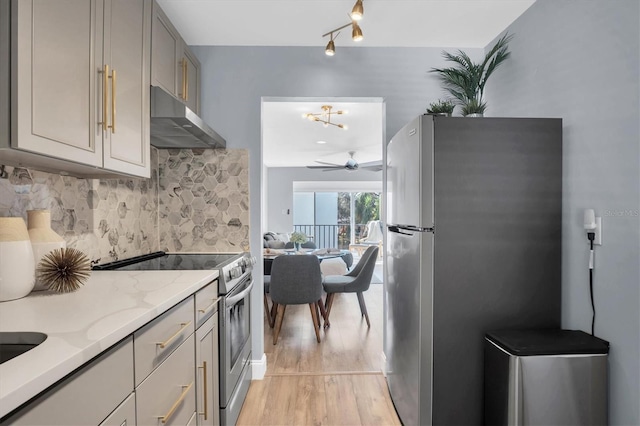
(372, 165)
(329, 164)
(326, 167)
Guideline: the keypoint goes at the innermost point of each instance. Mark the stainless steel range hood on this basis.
(174, 125)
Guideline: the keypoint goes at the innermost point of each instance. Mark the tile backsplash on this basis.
(195, 200)
(107, 219)
(203, 200)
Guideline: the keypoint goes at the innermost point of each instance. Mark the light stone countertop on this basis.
(81, 325)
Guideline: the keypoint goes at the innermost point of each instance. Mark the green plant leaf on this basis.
(466, 80)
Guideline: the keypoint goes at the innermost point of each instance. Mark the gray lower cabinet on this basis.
(168, 395)
(193, 420)
(124, 415)
(87, 396)
(80, 86)
(153, 377)
(156, 341)
(208, 393)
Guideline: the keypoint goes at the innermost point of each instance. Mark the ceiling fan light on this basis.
(357, 11)
(356, 33)
(330, 50)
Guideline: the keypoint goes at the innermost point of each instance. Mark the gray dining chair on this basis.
(356, 281)
(296, 280)
(269, 311)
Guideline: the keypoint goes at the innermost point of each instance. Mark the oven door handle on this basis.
(230, 301)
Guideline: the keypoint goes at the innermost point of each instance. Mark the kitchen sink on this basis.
(16, 343)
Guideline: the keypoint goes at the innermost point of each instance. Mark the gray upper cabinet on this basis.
(127, 50)
(55, 102)
(80, 84)
(191, 79)
(173, 66)
(166, 62)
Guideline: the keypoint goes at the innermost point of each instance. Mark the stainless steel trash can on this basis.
(545, 377)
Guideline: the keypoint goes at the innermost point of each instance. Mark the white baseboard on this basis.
(259, 368)
(383, 359)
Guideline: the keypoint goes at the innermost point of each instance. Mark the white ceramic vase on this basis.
(43, 238)
(17, 266)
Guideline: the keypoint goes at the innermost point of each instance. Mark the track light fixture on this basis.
(330, 50)
(357, 11)
(356, 31)
(324, 117)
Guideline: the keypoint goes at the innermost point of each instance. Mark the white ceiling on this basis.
(420, 23)
(289, 140)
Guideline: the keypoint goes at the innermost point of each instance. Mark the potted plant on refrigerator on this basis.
(465, 81)
(441, 107)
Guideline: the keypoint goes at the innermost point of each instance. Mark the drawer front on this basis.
(168, 395)
(87, 396)
(193, 421)
(206, 302)
(154, 342)
(124, 415)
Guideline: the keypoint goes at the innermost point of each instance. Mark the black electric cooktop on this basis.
(171, 262)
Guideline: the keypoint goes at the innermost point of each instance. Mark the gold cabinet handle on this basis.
(113, 101)
(105, 74)
(175, 405)
(212, 304)
(183, 62)
(205, 393)
(186, 80)
(166, 343)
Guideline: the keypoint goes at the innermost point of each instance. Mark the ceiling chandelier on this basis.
(356, 31)
(324, 117)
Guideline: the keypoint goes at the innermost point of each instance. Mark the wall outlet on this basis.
(598, 239)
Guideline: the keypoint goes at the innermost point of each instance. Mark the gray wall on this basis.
(280, 190)
(580, 60)
(235, 78)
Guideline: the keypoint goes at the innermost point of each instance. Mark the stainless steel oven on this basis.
(234, 287)
(235, 349)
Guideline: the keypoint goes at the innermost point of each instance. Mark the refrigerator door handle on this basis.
(397, 228)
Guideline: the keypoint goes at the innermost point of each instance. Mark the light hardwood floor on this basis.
(338, 381)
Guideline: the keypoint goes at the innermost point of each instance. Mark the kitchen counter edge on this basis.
(83, 324)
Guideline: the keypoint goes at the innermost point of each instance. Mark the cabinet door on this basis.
(207, 392)
(57, 63)
(168, 395)
(124, 415)
(85, 397)
(191, 80)
(127, 54)
(165, 52)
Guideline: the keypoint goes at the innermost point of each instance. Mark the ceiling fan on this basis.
(351, 165)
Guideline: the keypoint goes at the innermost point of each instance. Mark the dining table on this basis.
(321, 254)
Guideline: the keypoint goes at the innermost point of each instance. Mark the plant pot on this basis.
(475, 114)
(43, 238)
(17, 266)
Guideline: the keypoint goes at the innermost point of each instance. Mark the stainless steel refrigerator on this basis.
(473, 244)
